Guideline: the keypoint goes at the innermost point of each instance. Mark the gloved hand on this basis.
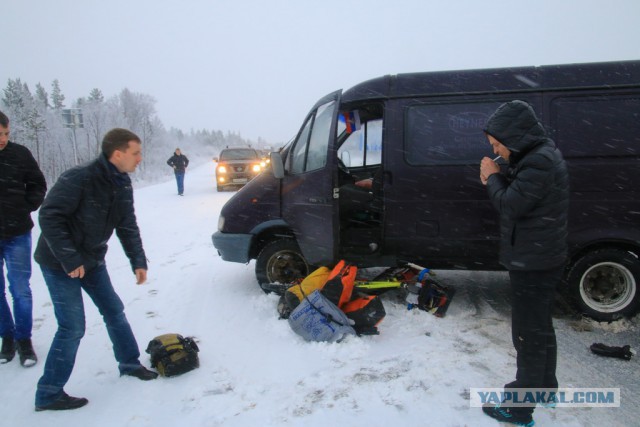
(611, 351)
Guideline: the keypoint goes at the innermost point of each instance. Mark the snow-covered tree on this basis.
(57, 98)
(42, 96)
(36, 121)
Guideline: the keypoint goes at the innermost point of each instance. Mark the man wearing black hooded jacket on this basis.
(532, 199)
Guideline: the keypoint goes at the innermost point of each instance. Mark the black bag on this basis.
(434, 297)
(367, 312)
(172, 354)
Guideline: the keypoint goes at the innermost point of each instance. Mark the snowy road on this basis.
(256, 372)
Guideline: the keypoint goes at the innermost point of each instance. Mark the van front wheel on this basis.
(604, 283)
(281, 261)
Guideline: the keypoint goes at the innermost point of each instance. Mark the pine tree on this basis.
(42, 96)
(96, 96)
(57, 98)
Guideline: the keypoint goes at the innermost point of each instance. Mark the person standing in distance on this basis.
(532, 199)
(179, 163)
(77, 218)
(22, 189)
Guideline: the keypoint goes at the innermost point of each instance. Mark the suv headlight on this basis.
(220, 223)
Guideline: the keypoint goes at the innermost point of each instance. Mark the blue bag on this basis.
(318, 319)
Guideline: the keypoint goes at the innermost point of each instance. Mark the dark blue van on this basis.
(418, 138)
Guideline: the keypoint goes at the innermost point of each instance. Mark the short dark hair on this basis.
(118, 139)
(4, 120)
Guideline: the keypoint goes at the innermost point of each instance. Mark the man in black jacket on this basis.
(179, 163)
(533, 201)
(77, 218)
(22, 189)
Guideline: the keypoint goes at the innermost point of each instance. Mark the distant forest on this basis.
(61, 136)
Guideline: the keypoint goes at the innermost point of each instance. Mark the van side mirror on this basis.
(277, 166)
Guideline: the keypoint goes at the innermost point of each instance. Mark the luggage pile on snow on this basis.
(328, 305)
(324, 306)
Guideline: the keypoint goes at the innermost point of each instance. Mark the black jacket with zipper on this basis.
(22, 189)
(80, 213)
(533, 198)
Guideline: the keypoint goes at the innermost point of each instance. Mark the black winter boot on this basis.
(63, 403)
(8, 351)
(141, 373)
(28, 357)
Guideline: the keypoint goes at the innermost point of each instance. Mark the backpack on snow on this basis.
(314, 281)
(367, 312)
(339, 285)
(434, 297)
(172, 354)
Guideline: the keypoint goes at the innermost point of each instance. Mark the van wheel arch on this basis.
(604, 283)
(280, 261)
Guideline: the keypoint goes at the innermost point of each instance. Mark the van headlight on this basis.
(220, 223)
(255, 168)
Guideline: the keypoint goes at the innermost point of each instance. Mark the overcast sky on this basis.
(257, 66)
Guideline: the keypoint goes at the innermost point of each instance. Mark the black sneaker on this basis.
(142, 373)
(506, 415)
(63, 403)
(28, 357)
(8, 351)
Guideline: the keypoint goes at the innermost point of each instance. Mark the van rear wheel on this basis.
(281, 261)
(604, 284)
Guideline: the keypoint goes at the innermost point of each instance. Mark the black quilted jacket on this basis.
(533, 198)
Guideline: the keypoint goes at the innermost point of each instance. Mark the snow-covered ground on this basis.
(256, 372)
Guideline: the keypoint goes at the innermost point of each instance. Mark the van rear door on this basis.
(307, 187)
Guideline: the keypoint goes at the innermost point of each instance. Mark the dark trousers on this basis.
(532, 297)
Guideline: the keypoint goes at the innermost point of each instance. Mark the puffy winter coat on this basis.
(533, 198)
(22, 189)
(80, 213)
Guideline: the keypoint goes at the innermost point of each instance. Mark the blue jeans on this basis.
(180, 181)
(66, 295)
(16, 253)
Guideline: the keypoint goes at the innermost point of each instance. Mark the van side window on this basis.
(363, 147)
(310, 149)
(597, 126)
(447, 134)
